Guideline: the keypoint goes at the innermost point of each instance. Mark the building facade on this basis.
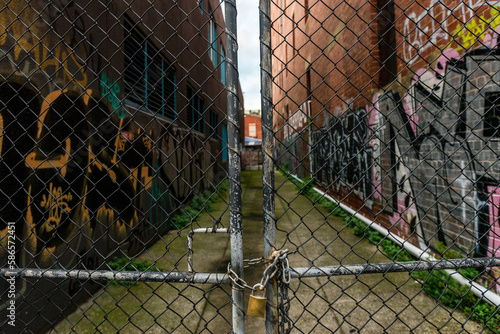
(113, 115)
(391, 106)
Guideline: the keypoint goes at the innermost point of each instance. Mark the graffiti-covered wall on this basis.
(85, 169)
(415, 145)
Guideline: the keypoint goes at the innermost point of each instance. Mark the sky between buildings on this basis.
(249, 51)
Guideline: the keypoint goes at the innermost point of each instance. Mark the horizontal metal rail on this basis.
(109, 275)
(392, 267)
(190, 241)
(425, 256)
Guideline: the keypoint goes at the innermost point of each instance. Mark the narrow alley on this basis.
(371, 303)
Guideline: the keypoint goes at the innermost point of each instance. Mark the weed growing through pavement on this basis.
(437, 283)
(202, 202)
(125, 263)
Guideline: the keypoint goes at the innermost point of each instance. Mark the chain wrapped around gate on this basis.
(277, 268)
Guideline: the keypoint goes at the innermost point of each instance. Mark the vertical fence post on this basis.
(234, 162)
(267, 155)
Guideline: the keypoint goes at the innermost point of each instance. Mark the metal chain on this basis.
(279, 261)
(279, 264)
(284, 278)
(285, 323)
(238, 282)
(253, 262)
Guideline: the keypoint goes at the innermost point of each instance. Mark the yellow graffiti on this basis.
(31, 245)
(119, 142)
(117, 228)
(56, 203)
(18, 18)
(147, 143)
(87, 96)
(28, 33)
(47, 102)
(94, 162)
(85, 215)
(145, 177)
(476, 29)
(61, 163)
(134, 176)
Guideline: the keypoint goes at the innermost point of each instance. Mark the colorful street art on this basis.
(82, 175)
(432, 168)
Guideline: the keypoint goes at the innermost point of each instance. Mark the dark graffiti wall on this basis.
(82, 173)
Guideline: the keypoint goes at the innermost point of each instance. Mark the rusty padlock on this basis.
(256, 304)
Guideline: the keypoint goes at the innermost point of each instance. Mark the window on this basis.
(150, 81)
(252, 130)
(222, 65)
(214, 124)
(196, 111)
(212, 38)
(491, 120)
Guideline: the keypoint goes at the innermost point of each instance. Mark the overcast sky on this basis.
(249, 52)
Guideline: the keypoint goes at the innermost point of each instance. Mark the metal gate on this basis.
(382, 114)
(121, 129)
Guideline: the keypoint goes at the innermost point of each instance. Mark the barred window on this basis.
(214, 124)
(212, 38)
(150, 80)
(196, 111)
(222, 65)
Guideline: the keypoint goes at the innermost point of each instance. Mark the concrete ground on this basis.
(374, 303)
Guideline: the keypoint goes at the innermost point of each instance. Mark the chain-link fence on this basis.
(114, 126)
(120, 174)
(384, 116)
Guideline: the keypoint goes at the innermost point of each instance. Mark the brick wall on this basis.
(257, 124)
(404, 97)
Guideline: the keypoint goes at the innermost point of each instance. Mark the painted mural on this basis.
(433, 150)
(81, 175)
(424, 159)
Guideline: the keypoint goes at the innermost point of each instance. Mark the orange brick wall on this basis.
(392, 107)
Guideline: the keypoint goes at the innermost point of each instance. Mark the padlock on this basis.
(256, 304)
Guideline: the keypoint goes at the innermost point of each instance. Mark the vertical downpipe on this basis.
(267, 154)
(234, 162)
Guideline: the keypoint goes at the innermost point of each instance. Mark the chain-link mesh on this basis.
(114, 145)
(386, 130)
(120, 162)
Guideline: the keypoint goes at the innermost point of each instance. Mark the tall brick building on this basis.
(403, 101)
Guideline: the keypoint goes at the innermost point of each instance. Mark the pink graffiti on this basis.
(491, 38)
(494, 235)
(447, 56)
(412, 115)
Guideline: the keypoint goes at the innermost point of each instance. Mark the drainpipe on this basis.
(478, 290)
